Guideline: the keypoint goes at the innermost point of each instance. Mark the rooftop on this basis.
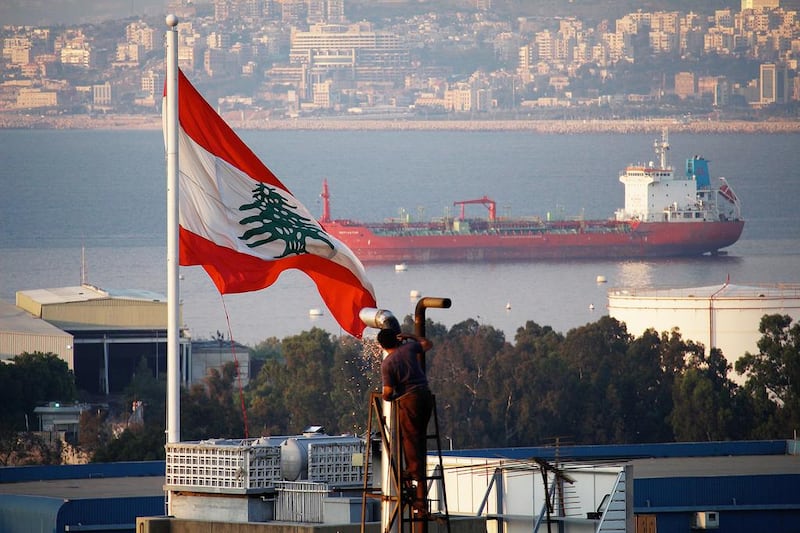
(777, 291)
(85, 293)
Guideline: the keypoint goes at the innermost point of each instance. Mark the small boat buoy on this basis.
(601, 279)
(400, 267)
(414, 294)
(315, 312)
(591, 307)
(508, 306)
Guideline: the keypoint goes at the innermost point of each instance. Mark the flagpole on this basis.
(173, 289)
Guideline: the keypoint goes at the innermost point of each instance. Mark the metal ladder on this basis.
(400, 498)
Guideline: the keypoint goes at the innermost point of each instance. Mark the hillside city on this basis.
(271, 60)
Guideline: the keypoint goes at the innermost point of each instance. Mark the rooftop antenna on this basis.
(83, 264)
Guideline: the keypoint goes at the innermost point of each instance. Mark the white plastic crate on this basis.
(222, 465)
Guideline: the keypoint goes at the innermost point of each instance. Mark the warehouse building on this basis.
(104, 334)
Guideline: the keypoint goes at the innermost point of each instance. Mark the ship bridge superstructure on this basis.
(654, 193)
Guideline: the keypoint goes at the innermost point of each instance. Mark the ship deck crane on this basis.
(490, 204)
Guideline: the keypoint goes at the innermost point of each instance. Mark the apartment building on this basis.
(355, 50)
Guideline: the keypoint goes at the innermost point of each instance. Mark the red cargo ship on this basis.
(652, 224)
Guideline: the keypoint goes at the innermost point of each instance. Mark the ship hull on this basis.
(645, 240)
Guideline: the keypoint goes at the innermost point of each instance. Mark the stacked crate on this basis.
(336, 462)
(224, 465)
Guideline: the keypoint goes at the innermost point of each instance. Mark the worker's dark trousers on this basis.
(413, 414)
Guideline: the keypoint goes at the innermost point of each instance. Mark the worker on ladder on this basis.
(405, 383)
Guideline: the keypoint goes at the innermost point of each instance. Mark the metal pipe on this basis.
(419, 317)
(419, 311)
(379, 319)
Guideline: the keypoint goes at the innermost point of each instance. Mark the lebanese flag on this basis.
(244, 227)
(726, 191)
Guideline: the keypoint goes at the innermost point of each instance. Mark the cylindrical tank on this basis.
(294, 459)
(295, 452)
(719, 316)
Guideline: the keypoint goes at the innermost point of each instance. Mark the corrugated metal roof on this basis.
(21, 332)
(595, 452)
(73, 489)
(747, 465)
(14, 319)
(89, 307)
(85, 293)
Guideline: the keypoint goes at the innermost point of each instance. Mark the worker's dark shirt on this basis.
(401, 369)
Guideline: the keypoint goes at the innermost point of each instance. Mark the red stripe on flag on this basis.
(200, 122)
(233, 272)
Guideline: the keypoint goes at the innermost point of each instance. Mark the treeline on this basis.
(26, 382)
(596, 384)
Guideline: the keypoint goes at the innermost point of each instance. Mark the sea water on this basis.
(91, 205)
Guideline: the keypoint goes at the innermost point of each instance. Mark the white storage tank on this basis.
(723, 316)
(337, 460)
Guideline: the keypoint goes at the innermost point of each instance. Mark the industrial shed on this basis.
(103, 334)
(112, 331)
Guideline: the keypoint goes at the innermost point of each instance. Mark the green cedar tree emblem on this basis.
(278, 220)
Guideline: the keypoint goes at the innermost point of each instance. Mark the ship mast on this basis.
(661, 148)
(326, 205)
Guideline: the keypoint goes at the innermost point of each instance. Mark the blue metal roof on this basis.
(18, 474)
(631, 451)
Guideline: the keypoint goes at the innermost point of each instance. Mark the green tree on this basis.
(653, 363)
(307, 395)
(43, 377)
(140, 442)
(704, 400)
(134, 444)
(457, 372)
(262, 352)
(266, 407)
(595, 355)
(773, 374)
(12, 398)
(212, 409)
(524, 394)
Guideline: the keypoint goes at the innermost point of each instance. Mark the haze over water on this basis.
(105, 191)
